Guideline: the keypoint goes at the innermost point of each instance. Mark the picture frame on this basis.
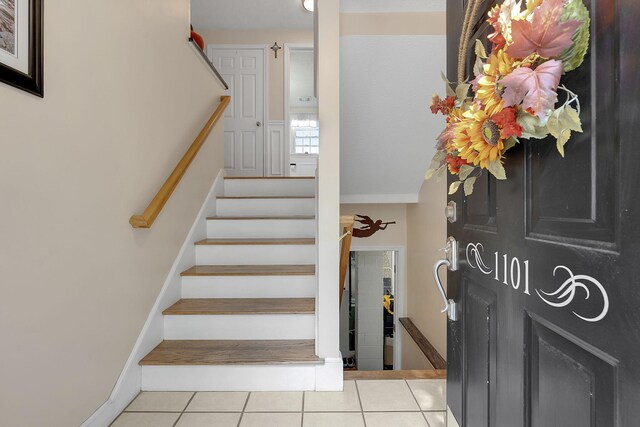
(21, 45)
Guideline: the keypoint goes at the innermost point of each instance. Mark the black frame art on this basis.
(32, 79)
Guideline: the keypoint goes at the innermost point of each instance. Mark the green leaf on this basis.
(497, 169)
(447, 85)
(478, 67)
(465, 171)
(479, 49)
(454, 187)
(560, 124)
(468, 185)
(571, 119)
(462, 91)
(440, 173)
(429, 174)
(573, 57)
(510, 143)
(531, 126)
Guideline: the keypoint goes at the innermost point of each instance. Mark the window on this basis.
(305, 134)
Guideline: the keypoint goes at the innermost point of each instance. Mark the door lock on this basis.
(451, 212)
(451, 261)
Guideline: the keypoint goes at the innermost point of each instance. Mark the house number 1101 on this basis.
(511, 273)
(514, 272)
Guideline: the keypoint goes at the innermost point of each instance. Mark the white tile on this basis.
(160, 401)
(333, 419)
(436, 419)
(451, 420)
(227, 419)
(271, 420)
(274, 401)
(218, 401)
(386, 395)
(129, 419)
(395, 419)
(430, 394)
(333, 401)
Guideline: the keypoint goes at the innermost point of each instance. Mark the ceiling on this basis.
(250, 15)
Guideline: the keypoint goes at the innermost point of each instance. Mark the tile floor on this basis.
(363, 403)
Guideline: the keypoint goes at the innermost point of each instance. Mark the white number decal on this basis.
(512, 273)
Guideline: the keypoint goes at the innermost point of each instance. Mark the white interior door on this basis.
(243, 69)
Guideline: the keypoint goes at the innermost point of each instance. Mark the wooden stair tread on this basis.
(232, 352)
(250, 270)
(263, 197)
(224, 306)
(261, 217)
(285, 241)
(269, 177)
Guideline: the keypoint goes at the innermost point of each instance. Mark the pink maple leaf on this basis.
(545, 34)
(536, 89)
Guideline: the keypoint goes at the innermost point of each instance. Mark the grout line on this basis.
(184, 409)
(364, 421)
(244, 408)
(304, 393)
(417, 403)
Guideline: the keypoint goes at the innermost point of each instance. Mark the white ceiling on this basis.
(379, 6)
(250, 15)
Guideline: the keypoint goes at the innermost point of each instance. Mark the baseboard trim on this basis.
(129, 382)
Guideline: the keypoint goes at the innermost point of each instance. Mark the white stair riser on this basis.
(229, 378)
(269, 187)
(255, 254)
(260, 229)
(240, 327)
(248, 286)
(265, 207)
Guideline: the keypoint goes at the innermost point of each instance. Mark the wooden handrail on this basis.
(151, 212)
(430, 352)
(346, 224)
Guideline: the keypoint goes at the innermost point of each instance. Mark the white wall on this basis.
(125, 95)
(387, 129)
(428, 233)
(328, 88)
(391, 55)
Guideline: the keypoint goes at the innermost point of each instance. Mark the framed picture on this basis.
(21, 45)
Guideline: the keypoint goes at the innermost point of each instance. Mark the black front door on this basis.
(548, 333)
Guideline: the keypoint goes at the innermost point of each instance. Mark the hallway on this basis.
(370, 403)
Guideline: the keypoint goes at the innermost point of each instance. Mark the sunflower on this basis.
(478, 139)
(488, 88)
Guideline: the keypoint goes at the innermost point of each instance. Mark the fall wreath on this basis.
(514, 94)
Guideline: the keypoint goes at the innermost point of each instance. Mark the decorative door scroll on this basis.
(511, 272)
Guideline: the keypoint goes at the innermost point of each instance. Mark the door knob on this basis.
(451, 262)
(258, 123)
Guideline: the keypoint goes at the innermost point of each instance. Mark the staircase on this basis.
(246, 318)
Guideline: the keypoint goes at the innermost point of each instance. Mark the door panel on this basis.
(570, 382)
(548, 280)
(480, 352)
(243, 69)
